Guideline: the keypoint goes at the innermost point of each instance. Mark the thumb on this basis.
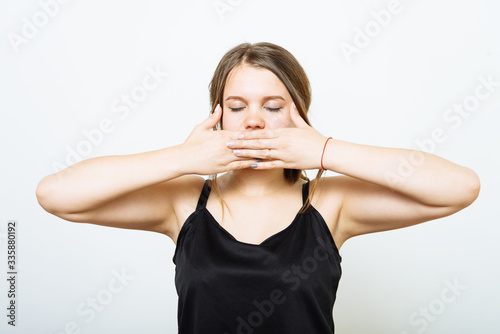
(296, 118)
(211, 121)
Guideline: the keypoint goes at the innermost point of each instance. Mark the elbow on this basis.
(471, 189)
(52, 197)
(45, 195)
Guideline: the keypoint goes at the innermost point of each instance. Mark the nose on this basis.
(254, 120)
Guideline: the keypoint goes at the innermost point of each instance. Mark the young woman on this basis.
(257, 247)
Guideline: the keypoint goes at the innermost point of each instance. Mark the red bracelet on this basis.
(322, 154)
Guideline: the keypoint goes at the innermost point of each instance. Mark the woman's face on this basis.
(254, 99)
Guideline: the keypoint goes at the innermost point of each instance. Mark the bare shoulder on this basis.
(327, 200)
(186, 190)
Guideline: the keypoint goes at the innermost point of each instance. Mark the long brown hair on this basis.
(284, 65)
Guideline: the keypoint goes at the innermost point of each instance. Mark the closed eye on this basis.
(268, 108)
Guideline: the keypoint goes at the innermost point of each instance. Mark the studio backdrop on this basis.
(84, 79)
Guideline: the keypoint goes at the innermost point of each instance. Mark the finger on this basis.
(241, 164)
(211, 121)
(257, 154)
(296, 118)
(253, 144)
(272, 164)
(230, 135)
(258, 134)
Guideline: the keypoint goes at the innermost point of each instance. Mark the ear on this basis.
(296, 118)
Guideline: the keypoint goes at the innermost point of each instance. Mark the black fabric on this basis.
(287, 284)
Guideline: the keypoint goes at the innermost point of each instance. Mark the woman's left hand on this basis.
(298, 147)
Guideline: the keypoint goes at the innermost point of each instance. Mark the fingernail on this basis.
(237, 152)
(258, 159)
(253, 165)
(241, 136)
(230, 143)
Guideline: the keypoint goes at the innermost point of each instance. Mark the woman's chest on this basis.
(254, 222)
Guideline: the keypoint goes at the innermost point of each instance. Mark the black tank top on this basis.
(285, 285)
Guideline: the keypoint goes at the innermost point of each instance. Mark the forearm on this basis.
(95, 181)
(424, 177)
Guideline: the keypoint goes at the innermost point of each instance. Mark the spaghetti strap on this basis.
(202, 201)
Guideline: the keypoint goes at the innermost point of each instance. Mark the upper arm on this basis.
(366, 207)
(154, 208)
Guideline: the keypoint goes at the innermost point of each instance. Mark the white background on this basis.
(65, 76)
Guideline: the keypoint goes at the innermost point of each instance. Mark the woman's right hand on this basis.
(206, 152)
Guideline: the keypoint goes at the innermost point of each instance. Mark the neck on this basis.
(255, 183)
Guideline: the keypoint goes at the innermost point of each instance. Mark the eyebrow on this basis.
(265, 98)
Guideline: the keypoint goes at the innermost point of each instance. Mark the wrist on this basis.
(175, 160)
(323, 153)
(338, 155)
